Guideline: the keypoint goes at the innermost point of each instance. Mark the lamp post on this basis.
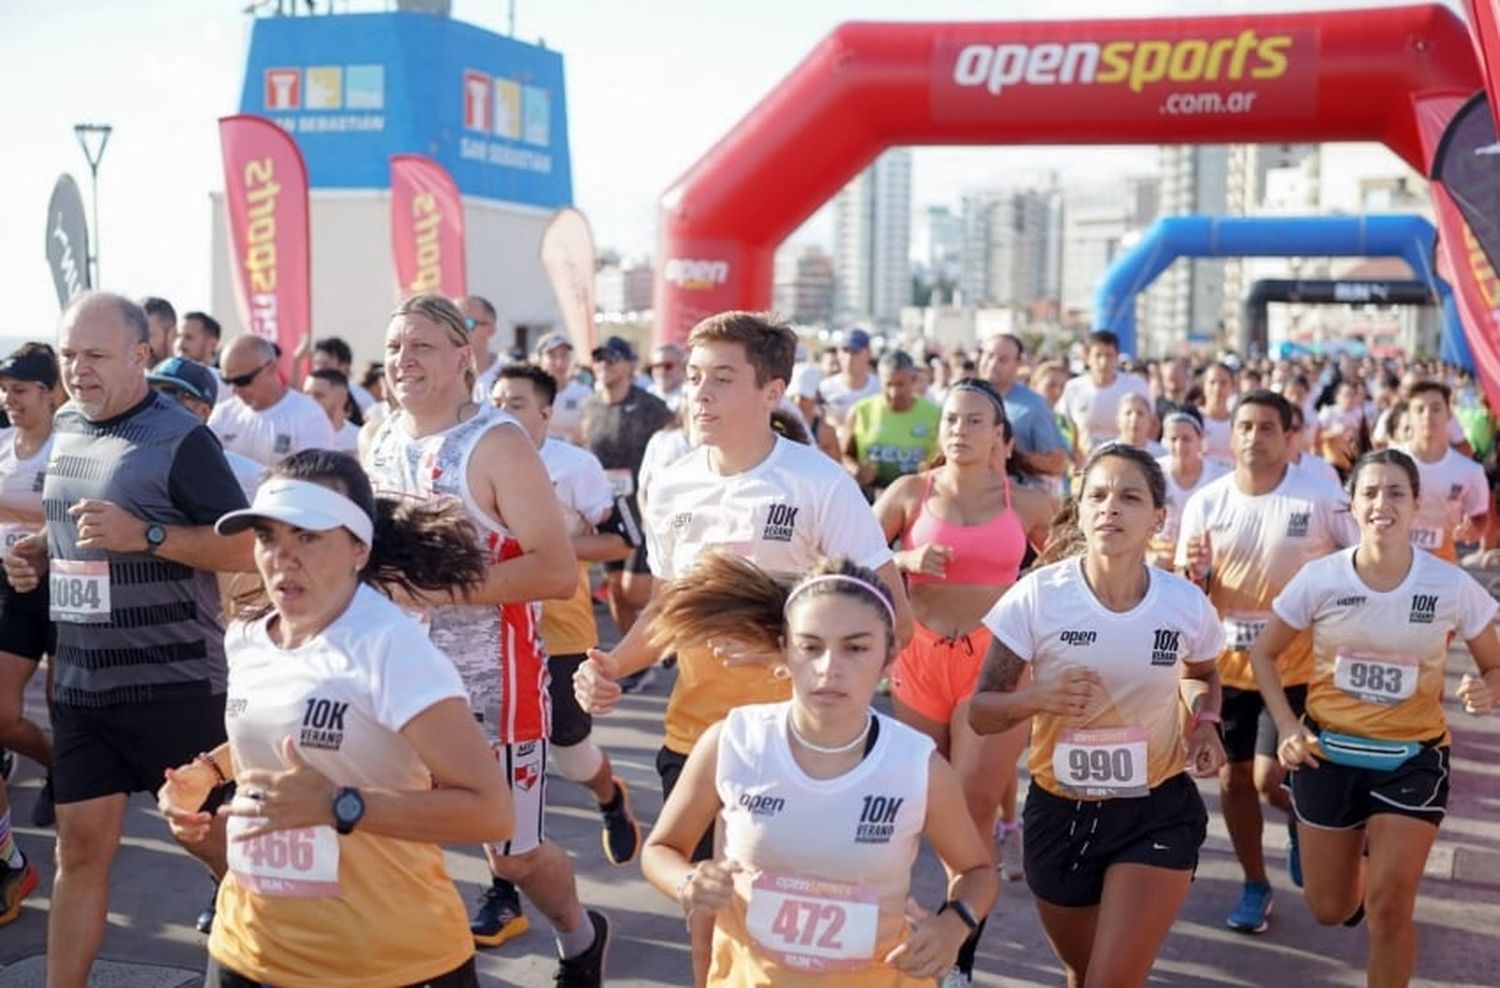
(88, 135)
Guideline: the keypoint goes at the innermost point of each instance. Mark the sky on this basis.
(651, 84)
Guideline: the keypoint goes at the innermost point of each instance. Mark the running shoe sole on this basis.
(1265, 922)
(508, 932)
(28, 885)
(604, 832)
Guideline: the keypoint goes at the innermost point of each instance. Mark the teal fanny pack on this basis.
(1357, 752)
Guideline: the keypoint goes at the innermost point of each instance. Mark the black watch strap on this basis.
(962, 911)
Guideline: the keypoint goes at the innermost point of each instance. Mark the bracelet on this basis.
(1201, 717)
(682, 887)
(208, 759)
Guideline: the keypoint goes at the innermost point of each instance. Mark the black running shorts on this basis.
(26, 629)
(1341, 797)
(1266, 737)
(1071, 844)
(669, 766)
(100, 751)
(571, 724)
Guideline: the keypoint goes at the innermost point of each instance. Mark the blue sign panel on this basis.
(355, 89)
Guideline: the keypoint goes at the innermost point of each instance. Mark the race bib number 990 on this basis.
(1384, 678)
(811, 924)
(302, 864)
(79, 591)
(1108, 763)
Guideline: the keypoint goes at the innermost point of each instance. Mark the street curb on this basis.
(1463, 863)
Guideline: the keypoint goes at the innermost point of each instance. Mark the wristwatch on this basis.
(957, 907)
(155, 536)
(348, 809)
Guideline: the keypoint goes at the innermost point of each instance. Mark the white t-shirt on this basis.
(578, 480)
(1379, 657)
(1177, 496)
(1381, 433)
(664, 448)
(246, 471)
(1052, 620)
(784, 514)
(567, 412)
(484, 382)
(293, 424)
(1217, 434)
(346, 440)
(343, 698)
(1316, 466)
(840, 397)
(18, 476)
(1453, 488)
(1094, 409)
(1259, 542)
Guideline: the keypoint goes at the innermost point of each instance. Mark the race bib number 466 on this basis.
(814, 925)
(79, 591)
(301, 864)
(1107, 763)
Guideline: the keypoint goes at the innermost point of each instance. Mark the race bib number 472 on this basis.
(811, 924)
(79, 591)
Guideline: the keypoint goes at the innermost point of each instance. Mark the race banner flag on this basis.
(1465, 191)
(67, 241)
(568, 256)
(1484, 25)
(265, 190)
(427, 228)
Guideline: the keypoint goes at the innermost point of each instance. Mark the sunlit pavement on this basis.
(158, 891)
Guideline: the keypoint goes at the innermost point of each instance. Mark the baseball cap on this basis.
(303, 504)
(614, 348)
(188, 375)
(551, 342)
(33, 366)
(805, 381)
(856, 339)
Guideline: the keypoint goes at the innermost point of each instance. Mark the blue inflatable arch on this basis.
(1411, 238)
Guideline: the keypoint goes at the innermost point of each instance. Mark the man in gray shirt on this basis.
(133, 490)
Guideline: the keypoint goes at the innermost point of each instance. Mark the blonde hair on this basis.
(440, 310)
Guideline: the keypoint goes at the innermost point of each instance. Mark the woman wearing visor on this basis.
(351, 744)
(1369, 763)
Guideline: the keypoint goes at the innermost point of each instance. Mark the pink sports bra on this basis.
(989, 554)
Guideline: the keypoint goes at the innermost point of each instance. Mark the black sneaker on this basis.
(498, 918)
(638, 682)
(587, 969)
(7, 764)
(621, 836)
(43, 813)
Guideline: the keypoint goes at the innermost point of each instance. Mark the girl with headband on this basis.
(823, 800)
(1185, 468)
(351, 742)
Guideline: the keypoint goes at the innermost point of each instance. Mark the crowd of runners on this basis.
(339, 622)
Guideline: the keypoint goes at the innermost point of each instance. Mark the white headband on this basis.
(841, 578)
(303, 504)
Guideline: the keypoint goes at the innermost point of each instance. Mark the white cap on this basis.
(304, 505)
(805, 381)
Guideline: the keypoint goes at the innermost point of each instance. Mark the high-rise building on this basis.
(937, 249)
(872, 234)
(804, 286)
(1011, 254)
(1098, 222)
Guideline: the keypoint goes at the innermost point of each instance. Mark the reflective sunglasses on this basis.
(243, 380)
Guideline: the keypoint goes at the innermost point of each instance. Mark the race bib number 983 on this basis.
(1385, 679)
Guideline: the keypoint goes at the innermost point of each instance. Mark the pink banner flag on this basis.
(265, 191)
(568, 256)
(427, 228)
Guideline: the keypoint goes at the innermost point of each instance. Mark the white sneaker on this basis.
(1008, 851)
(954, 979)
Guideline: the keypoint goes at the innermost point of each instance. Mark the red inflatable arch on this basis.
(1393, 75)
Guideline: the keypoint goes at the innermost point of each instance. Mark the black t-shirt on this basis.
(617, 432)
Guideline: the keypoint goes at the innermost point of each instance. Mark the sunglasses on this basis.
(244, 380)
(470, 322)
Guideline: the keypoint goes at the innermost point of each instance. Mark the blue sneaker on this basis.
(1294, 854)
(1253, 913)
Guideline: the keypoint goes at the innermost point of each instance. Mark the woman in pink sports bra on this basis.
(965, 534)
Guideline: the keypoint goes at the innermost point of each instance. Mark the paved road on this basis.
(158, 890)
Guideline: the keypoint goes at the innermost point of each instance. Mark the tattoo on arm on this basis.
(1002, 669)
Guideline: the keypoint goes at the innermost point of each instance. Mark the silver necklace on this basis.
(859, 738)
